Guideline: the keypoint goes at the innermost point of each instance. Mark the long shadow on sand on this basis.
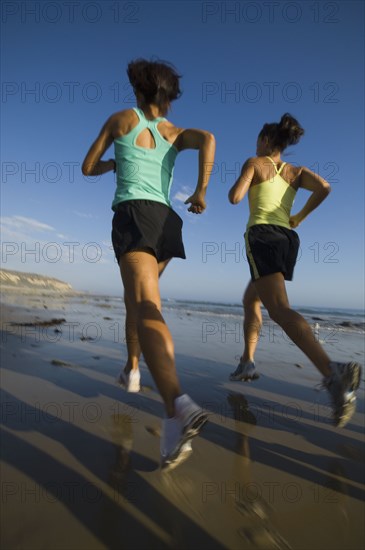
(107, 518)
(212, 396)
(51, 475)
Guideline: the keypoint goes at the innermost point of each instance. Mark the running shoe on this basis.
(244, 371)
(178, 431)
(130, 381)
(342, 384)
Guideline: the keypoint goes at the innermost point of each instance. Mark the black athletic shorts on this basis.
(147, 224)
(271, 249)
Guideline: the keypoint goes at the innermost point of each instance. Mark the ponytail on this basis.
(280, 135)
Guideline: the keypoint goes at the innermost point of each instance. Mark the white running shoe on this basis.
(130, 381)
(244, 371)
(342, 383)
(178, 431)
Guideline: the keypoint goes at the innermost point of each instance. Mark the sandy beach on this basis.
(80, 456)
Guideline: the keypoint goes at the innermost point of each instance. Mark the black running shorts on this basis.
(271, 249)
(140, 224)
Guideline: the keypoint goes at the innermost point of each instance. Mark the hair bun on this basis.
(289, 129)
(281, 134)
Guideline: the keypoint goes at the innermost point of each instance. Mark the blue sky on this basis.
(243, 64)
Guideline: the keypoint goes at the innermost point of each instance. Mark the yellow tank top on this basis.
(271, 201)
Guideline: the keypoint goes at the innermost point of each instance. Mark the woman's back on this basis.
(144, 157)
(265, 170)
(125, 121)
(272, 192)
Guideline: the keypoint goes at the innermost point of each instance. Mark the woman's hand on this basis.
(198, 204)
(294, 221)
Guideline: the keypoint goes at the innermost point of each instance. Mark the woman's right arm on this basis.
(320, 190)
(92, 165)
(205, 142)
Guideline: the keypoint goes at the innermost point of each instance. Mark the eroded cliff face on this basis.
(19, 279)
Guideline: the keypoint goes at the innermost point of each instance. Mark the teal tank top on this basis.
(144, 173)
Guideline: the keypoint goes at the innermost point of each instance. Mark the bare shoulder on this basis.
(294, 170)
(125, 114)
(250, 165)
(257, 163)
(122, 122)
(168, 124)
(292, 173)
(311, 181)
(183, 138)
(169, 131)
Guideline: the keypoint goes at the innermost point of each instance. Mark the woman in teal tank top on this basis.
(146, 233)
(272, 247)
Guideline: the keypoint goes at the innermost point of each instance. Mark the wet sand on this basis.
(80, 456)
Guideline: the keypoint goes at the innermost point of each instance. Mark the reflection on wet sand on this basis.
(268, 472)
(260, 527)
(122, 437)
(257, 529)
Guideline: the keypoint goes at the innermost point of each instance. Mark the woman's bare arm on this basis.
(92, 165)
(240, 188)
(320, 189)
(205, 143)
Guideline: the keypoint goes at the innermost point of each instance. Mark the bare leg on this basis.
(272, 292)
(252, 322)
(131, 333)
(131, 338)
(140, 274)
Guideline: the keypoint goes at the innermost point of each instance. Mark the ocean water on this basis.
(346, 319)
(105, 306)
(343, 320)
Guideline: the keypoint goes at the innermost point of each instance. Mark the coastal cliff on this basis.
(13, 280)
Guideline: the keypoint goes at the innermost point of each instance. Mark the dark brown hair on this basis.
(280, 135)
(156, 81)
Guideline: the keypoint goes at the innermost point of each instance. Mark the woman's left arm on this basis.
(92, 165)
(240, 188)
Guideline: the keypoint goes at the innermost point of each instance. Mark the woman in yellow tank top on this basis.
(272, 247)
